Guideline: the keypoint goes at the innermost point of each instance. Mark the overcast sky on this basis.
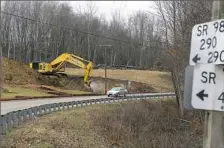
(125, 7)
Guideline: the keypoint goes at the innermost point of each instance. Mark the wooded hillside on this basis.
(41, 30)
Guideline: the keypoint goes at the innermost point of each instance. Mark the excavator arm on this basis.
(60, 61)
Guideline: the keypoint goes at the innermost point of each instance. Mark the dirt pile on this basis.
(18, 73)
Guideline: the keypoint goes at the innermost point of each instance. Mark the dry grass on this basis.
(158, 80)
(150, 124)
(70, 129)
(142, 124)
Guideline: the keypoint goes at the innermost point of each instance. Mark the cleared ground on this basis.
(160, 81)
(137, 124)
(21, 80)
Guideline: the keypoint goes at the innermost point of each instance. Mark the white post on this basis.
(214, 120)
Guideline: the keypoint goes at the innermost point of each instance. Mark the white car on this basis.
(117, 91)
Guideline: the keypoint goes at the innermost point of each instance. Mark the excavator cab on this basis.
(41, 67)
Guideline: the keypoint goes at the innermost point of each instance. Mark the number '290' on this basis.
(216, 55)
(207, 43)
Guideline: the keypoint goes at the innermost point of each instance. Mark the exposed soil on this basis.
(97, 84)
(18, 73)
(132, 86)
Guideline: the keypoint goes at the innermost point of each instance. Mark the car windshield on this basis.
(115, 89)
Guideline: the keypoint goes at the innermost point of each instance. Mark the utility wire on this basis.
(77, 30)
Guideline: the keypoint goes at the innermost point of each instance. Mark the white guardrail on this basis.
(16, 118)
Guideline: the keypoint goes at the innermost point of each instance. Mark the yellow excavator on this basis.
(58, 65)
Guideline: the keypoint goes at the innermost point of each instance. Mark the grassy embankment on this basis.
(137, 124)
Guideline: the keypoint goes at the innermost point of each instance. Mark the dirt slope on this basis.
(18, 73)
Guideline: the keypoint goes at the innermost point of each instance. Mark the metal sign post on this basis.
(214, 123)
(1, 72)
(207, 84)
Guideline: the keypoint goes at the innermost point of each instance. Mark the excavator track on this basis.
(55, 74)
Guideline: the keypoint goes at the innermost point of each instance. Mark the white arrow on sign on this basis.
(208, 87)
(207, 43)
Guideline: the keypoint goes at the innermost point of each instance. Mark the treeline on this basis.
(31, 32)
(30, 40)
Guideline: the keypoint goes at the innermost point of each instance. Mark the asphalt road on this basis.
(9, 106)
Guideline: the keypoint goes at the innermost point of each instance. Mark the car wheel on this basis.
(125, 95)
(116, 95)
(108, 95)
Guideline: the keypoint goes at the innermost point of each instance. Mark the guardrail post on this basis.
(8, 122)
(51, 108)
(39, 110)
(63, 105)
(48, 108)
(19, 117)
(78, 103)
(15, 119)
(81, 103)
(34, 111)
(30, 113)
(24, 115)
(117, 99)
(86, 102)
(67, 104)
(3, 125)
(107, 100)
(54, 107)
(58, 105)
(45, 109)
(72, 104)
(42, 109)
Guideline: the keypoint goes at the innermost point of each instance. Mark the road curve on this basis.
(9, 106)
